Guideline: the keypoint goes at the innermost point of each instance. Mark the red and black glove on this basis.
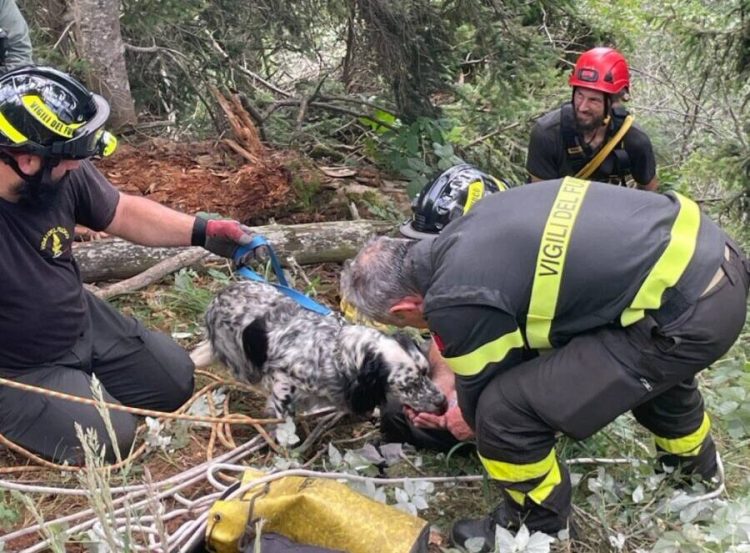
(220, 236)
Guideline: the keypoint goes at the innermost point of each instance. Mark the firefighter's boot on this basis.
(466, 529)
(508, 515)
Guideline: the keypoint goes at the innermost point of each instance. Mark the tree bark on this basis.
(331, 242)
(186, 258)
(99, 43)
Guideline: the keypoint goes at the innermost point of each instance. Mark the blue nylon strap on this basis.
(283, 286)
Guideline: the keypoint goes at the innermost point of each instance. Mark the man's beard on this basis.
(588, 127)
(39, 191)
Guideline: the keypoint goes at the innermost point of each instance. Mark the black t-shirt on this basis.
(548, 160)
(43, 310)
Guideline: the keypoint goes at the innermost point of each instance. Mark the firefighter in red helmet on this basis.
(593, 135)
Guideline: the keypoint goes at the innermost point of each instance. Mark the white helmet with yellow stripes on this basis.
(49, 113)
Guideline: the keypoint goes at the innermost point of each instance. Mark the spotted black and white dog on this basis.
(302, 358)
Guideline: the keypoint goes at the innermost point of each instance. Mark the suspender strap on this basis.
(283, 286)
(592, 165)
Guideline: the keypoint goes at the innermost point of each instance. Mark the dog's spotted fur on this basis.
(302, 358)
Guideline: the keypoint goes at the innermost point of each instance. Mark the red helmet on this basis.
(603, 69)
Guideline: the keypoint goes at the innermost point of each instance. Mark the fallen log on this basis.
(186, 258)
(328, 242)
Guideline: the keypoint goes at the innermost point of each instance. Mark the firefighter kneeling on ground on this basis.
(629, 294)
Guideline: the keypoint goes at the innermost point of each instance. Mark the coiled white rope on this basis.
(186, 536)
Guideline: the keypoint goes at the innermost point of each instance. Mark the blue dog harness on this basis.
(282, 285)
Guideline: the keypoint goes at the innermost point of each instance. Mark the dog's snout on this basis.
(442, 405)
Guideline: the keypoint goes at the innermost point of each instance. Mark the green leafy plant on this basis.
(306, 190)
(9, 511)
(416, 151)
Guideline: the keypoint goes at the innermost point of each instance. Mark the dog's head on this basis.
(394, 368)
(409, 379)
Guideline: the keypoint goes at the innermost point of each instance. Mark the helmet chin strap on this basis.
(41, 177)
(607, 109)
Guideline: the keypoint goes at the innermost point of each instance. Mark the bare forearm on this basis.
(148, 223)
(452, 420)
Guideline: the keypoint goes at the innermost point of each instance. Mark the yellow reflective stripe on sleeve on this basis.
(491, 352)
(36, 106)
(689, 445)
(669, 267)
(550, 261)
(10, 131)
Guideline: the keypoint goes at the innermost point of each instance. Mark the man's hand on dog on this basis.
(220, 236)
(452, 421)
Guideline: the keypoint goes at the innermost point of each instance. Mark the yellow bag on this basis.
(314, 511)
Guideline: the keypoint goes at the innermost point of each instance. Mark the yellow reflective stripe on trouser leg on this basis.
(687, 446)
(512, 473)
(670, 266)
(550, 261)
(491, 352)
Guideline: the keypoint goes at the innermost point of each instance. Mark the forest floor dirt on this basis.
(206, 176)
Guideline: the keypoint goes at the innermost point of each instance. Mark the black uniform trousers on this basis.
(136, 367)
(647, 368)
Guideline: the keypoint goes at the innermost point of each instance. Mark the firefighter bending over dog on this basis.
(628, 304)
(447, 197)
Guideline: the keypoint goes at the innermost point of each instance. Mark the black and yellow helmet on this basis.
(48, 113)
(448, 196)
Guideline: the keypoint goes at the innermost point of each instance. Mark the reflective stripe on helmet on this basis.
(36, 106)
(474, 193)
(11, 132)
(501, 184)
(106, 143)
(550, 261)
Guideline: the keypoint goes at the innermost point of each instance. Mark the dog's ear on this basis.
(415, 350)
(369, 389)
(407, 342)
(255, 342)
(404, 340)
